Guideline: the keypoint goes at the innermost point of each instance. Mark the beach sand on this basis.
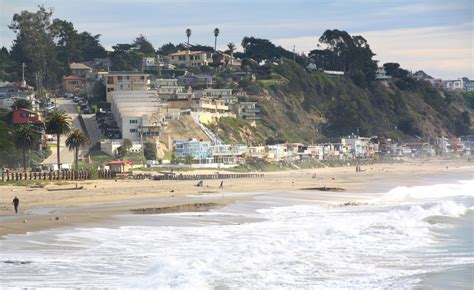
(102, 200)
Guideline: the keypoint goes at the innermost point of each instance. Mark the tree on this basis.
(216, 34)
(188, 159)
(34, 45)
(231, 47)
(90, 46)
(127, 144)
(74, 141)
(58, 123)
(25, 138)
(343, 52)
(394, 70)
(150, 151)
(167, 49)
(21, 104)
(188, 34)
(144, 46)
(125, 57)
(67, 41)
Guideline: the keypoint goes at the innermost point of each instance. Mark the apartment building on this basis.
(126, 81)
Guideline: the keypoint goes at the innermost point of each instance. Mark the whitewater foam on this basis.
(382, 245)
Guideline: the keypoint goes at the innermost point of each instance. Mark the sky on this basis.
(430, 35)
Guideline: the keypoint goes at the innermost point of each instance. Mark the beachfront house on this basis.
(359, 146)
(198, 150)
(120, 166)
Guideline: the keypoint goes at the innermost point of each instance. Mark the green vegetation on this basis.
(74, 142)
(58, 123)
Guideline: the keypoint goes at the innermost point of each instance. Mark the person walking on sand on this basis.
(16, 203)
(222, 185)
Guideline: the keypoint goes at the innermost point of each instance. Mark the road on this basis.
(68, 106)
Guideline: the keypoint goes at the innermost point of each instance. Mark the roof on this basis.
(26, 110)
(120, 162)
(73, 78)
(113, 73)
(76, 65)
(187, 52)
(18, 85)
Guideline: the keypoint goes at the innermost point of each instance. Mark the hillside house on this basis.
(22, 116)
(73, 84)
(188, 58)
(79, 69)
(126, 81)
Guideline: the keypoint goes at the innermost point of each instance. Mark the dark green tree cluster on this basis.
(343, 52)
(263, 49)
(128, 57)
(47, 47)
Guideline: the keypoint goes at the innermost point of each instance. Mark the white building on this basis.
(358, 146)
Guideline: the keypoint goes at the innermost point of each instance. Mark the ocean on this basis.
(417, 237)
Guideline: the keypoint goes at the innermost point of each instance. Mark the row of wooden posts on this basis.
(82, 174)
(63, 174)
(207, 176)
(106, 174)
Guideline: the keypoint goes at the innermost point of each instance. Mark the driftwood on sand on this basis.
(324, 188)
(69, 188)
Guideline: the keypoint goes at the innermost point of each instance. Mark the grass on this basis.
(27, 183)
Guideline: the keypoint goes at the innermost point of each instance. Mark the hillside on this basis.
(298, 105)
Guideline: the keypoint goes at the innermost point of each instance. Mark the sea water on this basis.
(409, 237)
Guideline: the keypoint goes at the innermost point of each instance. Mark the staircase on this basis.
(216, 140)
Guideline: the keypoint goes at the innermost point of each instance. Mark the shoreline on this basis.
(103, 200)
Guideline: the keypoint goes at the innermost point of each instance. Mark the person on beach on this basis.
(222, 185)
(16, 203)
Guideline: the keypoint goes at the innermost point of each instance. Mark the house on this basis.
(454, 85)
(21, 116)
(359, 146)
(151, 63)
(200, 150)
(195, 80)
(381, 74)
(277, 152)
(188, 58)
(15, 90)
(247, 111)
(126, 81)
(258, 152)
(215, 93)
(92, 79)
(79, 69)
(120, 166)
(228, 153)
(195, 104)
(73, 84)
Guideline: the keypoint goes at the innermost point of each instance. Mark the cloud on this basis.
(443, 51)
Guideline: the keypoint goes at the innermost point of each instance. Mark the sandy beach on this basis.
(102, 200)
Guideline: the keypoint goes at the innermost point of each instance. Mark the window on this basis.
(119, 78)
(133, 130)
(110, 89)
(110, 80)
(142, 78)
(133, 121)
(127, 78)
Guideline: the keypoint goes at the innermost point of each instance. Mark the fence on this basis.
(51, 175)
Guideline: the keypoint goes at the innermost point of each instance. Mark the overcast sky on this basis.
(436, 36)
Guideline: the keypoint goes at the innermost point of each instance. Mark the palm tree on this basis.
(58, 123)
(216, 34)
(74, 141)
(231, 47)
(188, 34)
(26, 137)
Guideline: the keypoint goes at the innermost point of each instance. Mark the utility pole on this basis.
(23, 73)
